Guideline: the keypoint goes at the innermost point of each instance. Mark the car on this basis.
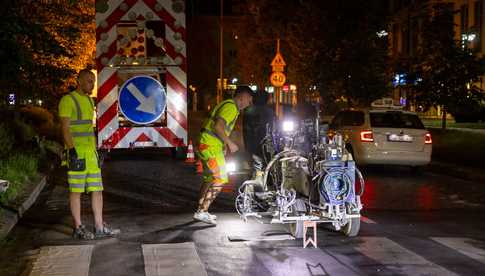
(385, 134)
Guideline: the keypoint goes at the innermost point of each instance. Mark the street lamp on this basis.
(221, 30)
(382, 33)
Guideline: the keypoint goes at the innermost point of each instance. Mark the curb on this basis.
(10, 217)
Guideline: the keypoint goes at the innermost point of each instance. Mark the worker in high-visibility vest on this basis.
(214, 137)
(76, 111)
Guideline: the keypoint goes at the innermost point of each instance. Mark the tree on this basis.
(332, 45)
(44, 43)
(447, 70)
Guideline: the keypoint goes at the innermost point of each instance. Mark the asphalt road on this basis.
(413, 224)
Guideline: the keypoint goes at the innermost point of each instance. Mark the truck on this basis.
(141, 65)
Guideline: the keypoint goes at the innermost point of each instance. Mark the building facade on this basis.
(405, 30)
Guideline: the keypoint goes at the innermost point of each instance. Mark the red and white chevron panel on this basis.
(110, 134)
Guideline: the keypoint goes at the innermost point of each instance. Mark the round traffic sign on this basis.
(277, 79)
(142, 100)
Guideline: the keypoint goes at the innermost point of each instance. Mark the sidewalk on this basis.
(11, 213)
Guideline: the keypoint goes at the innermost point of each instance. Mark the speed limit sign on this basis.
(277, 79)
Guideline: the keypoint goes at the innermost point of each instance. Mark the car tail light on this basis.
(427, 138)
(366, 136)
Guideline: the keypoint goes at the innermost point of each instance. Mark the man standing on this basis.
(76, 111)
(214, 137)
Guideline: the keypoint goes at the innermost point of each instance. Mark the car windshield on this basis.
(395, 119)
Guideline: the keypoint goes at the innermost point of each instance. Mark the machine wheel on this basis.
(296, 229)
(351, 229)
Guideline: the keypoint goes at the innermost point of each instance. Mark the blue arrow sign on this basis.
(142, 100)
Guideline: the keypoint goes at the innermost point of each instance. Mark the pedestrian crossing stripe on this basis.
(172, 259)
(67, 260)
(401, 260)
(367, 220)
(182, 258)
(465, 246)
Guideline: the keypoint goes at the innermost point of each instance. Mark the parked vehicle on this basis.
(384, 134)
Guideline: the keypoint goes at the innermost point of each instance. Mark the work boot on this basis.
(204, 217)
(106, 231)
(81, 233)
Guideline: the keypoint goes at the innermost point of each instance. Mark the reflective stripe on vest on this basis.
(79, 121)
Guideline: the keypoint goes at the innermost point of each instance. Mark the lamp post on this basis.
(221, 45)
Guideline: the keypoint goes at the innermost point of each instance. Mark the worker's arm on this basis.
(66, 134)
(219, 126)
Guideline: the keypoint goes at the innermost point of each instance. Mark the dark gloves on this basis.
(73, 163)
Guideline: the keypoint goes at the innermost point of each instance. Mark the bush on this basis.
(6, 140)
(458, 147)
(470, 111)
(42, 121)
(18, 170)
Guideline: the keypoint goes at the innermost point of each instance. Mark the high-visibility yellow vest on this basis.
(227, 111)
(80, 109)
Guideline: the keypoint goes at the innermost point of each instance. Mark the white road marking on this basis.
(367, 220)
(68, 260)
(147, 105)
(398, 258)
(465, 246)
(172, 259)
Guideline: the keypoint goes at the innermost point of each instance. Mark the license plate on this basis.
(399, 138)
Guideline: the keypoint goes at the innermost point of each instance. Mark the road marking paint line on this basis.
(367, 220)
(172, 259)
(302, 261)
(70, 260)
(465, 246)
(396, 257)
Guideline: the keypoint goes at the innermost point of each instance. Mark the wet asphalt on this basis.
(409, 220)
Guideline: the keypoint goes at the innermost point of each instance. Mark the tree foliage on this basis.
(331, 45)
(44, 43)
(447, 70)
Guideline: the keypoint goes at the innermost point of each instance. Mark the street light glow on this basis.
(382, 33)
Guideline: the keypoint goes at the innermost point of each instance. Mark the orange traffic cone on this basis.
(190, 153)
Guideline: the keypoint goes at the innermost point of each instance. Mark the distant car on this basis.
(384, 135)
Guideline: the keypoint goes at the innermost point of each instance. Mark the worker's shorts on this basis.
(88, 180)
(213, 164)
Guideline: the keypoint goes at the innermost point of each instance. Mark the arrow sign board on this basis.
(142, 100)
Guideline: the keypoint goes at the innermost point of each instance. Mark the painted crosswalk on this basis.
(401, 260)
(172, 259)
(336, 258)
(468, 247)
(68, 260)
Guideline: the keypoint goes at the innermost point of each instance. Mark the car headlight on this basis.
(230, 167)
(288, 126)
